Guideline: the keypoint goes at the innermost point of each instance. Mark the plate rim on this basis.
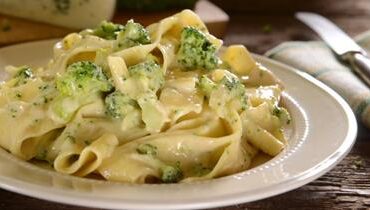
(291, 183)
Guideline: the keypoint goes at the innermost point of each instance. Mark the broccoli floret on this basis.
(83, 77)
(107, 30)
(206, 85)
(171, 174)
(196, 51)
(82, 83)
(149, 73)
(233, 84)
(147, 149)
(23, 74)
(282, 114)
(133, 34)
(119, 105)
(228, 91)
(235, 88)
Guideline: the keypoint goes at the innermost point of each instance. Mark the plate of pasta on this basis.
(161, 117)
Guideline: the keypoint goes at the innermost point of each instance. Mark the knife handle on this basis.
(361, 64)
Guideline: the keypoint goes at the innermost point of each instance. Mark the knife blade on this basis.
(344, 46)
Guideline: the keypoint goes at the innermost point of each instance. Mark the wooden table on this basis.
(348, 184)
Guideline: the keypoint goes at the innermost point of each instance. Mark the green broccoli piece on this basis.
(206, 85)
(107, 30)
(133, 34)
(225, 90)
(171, 174)
(196, 51)
(147, 149)
(82, 83)
(24, 73)
(282, 114)
(233, 84)
(83, 77)
(235, 87)
(119, 105)
(149, 73)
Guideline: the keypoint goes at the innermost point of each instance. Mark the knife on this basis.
(347, 50)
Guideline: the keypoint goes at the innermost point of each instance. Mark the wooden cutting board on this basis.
(15, 30)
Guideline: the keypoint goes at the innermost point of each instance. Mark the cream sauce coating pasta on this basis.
(144, 115)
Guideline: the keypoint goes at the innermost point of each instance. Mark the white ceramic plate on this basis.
(321, 134)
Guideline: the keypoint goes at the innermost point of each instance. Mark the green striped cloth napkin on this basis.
(319, 61)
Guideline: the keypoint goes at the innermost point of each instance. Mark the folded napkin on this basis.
(319, 61)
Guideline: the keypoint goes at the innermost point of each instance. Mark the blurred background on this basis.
(260, 25)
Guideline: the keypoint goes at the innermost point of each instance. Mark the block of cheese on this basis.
(68, 13)
(239, 59)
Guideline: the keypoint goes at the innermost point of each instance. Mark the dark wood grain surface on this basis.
(347, 186)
